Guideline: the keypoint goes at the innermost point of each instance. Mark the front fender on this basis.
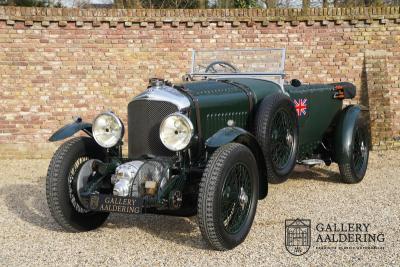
(70, 129)
(224, 136)
(235, 134)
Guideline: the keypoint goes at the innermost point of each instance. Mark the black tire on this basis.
(353, 169)
(271, 107)
(62, 200)
(219, 171)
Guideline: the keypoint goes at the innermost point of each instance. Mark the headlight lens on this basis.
(107, 129)
(176, 131)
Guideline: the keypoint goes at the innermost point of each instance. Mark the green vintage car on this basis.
(208, 146)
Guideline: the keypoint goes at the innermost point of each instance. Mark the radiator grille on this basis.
(144, 119)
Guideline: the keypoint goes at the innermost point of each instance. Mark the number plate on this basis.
(110, 203)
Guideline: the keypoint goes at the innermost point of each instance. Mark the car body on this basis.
(207, 146)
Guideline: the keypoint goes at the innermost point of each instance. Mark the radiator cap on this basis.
(156, 82)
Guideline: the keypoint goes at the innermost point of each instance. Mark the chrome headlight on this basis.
(176, 131)
(107, 129)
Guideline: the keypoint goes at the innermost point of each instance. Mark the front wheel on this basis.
(228, 196)
(62, 177)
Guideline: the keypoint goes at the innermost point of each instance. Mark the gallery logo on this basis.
(297, 236)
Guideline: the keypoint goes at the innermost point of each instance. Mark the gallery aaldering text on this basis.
(347, 232)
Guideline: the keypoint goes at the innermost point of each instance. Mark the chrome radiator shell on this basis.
(145, 114)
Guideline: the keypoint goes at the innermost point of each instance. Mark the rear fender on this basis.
(344, 132)
(70, 129)
(238, 135)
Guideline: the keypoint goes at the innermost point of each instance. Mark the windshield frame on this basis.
(278, 75)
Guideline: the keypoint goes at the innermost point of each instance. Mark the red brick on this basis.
(50, 72)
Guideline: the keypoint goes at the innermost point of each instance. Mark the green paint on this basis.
(220, 102)
(224, 136)
(344, 133)
(321, 111)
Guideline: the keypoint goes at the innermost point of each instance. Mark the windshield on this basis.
(264, 63)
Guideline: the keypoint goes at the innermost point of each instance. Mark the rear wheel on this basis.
(353, 168)
(228, 196)
(61, 191)
(277, 133)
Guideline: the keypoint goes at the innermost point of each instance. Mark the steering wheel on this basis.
(226, 65)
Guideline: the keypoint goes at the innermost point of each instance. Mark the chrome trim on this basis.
(119, 122)
(167, 94)
(239, 74)
(124, 178)
(187, 120)
(256, 75)
(240, 49)
(280, 73)
(283, 60)
(193, 60)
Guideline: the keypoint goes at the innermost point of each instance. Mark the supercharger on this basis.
(138, 178)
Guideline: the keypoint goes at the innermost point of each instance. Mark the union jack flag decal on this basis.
(301, 106)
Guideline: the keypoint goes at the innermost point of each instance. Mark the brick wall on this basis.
(58, 63)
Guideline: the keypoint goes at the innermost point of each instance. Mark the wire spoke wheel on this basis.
(228, 196)
(359, 150)
(65, 174)
(236, 197)
(277, 132)
(352, 149)
(282, 139)
(72, 176)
